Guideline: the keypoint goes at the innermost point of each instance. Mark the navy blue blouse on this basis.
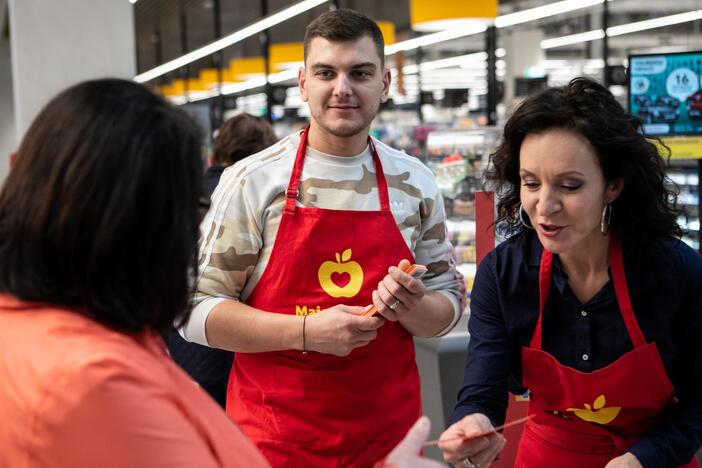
(665, 286)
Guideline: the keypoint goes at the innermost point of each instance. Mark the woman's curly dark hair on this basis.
(646, 209)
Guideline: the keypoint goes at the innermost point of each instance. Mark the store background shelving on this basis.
(684, 174)
(458, 158)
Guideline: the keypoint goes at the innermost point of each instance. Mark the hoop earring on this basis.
(606, 219)
(521, 217)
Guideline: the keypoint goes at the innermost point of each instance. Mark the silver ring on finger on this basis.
(394, 305)
(468, 463)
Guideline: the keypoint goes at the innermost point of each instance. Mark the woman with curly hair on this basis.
(592, 303)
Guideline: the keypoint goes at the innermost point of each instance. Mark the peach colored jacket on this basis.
(74, 393)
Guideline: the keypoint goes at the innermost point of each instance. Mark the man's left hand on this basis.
(398, 293)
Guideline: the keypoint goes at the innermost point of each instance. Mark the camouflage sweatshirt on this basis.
(238, 233)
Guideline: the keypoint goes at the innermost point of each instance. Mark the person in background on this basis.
(299, 240)
(593, 304)
(98, 235)
(239, 137)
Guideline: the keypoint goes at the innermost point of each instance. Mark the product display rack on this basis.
(684, 173)
(458, 158)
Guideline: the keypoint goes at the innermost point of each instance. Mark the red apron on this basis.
(583, 420)
(319, 410)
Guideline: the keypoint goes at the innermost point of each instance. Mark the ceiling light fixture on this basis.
(654, 23)
(623, 29)
(434, 38)
(572, 39)
(544, 11)
(226, 41)
(510, 19)
(444, 63)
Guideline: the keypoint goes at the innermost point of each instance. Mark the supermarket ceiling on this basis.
(167, 28)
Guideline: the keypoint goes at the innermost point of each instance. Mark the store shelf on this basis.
(458, 158)
(684, 174)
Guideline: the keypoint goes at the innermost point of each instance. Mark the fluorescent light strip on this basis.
(200, 95)
(572, 39)
(544, 11)
(623, 29)
(510, 19)
(654, 23)
(434, 38)
(233, 38)
(444, 63)
(179, 100)
(285, 75)
(243, 86)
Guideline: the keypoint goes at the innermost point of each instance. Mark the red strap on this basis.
(380, 178)
(294, 185)
(545, 269)
(621, 290)
(616, 262)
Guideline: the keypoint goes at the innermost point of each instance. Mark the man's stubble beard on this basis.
(348, 132)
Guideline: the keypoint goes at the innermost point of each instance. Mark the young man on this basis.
(300, 238)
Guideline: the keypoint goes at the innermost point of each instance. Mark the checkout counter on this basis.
(440, 361)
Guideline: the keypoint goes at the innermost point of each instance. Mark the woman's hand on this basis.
(407, 453)
(628, 460)
(462, 451)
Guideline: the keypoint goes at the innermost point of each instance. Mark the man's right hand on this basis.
(340, 329)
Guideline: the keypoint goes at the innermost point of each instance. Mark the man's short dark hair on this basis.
(100, 211)
(345, 25)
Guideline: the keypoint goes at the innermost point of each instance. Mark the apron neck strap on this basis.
(616, 263)
(545, 269)
(293, 189)
(621, 290)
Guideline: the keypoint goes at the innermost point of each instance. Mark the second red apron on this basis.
(319, 410)
(583, 420)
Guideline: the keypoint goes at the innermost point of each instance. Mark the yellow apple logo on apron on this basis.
(331, 274)
(597, 413)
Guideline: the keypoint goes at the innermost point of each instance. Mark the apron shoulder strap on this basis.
(621, 290)
(293, 189)
(380, 178)
(545, 269)
(616, 263)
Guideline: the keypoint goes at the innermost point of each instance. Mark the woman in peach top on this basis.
(98, 233)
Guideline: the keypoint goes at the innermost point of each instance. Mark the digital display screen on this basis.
(664, 92)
